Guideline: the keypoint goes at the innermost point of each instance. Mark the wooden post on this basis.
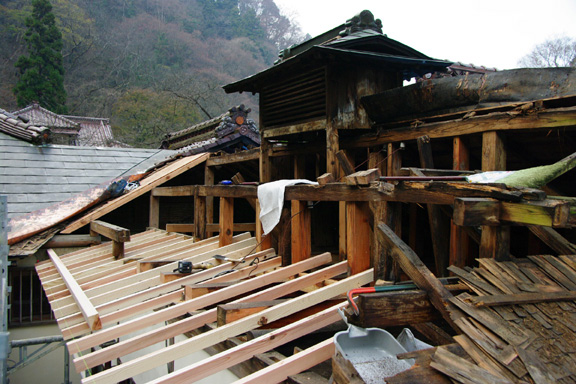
(358, 236)
(376, 159)
(495, 241)
(439, 225)
(154, 218)
(199, 216)
(209, 180)
(265, 165)
(301, 231)
(264, 241)
(117, 234)
(459, 241)
(226, 220)
(393, 212)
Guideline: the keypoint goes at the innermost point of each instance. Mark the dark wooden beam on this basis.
(418, 272)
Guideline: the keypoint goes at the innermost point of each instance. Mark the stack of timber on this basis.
(519, 326)
(139, 317)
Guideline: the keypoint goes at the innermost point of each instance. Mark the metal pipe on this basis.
(36, 341)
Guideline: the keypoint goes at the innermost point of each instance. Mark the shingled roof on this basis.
(35, 177)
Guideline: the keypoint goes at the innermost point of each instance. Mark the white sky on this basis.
(492, 33)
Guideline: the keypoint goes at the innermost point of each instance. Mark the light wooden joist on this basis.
(145, 314)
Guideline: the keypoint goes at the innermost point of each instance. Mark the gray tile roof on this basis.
(34, 177)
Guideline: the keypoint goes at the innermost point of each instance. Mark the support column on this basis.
(264, 242)
(376, 159)
(459, 240)
(333, 167)
(393, 212)
(209, 180)
(154, 217)
(439, 224)
(301, 231)
(495, 241)
(199, 216)
(358, 236)
(265, 161)
(226, 222)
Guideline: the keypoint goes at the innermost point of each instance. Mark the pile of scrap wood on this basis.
(516, 324)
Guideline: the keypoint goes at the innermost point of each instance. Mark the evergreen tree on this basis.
(41, 73)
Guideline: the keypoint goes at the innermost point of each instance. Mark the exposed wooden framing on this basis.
(169, 172)
(261, 344)
(210, 228)
(144, 363)
(500, 121)
(459, 240)
(226, 221)
(376, 159)
(495, 241)
(227, 313)
(86, 307)
(200, 217)
(135, 304)
(182, 190)
(439, 224)
(136, 282)
(154, 214)
(490, 212)
(117, 234)
(418, 272)
(71, 241)
(292, 365)
(316, 125)
(265, 160)
(231, 158)
(264, 241)
(345, 163)
(301, 231)
(209, 180)
(358, 236)
(195, 321)
(200, 302)
(325, 179)
(554, 240)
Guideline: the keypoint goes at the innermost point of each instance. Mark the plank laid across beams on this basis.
(158, 177)
(176, 351)
(246, 350)
(198, 303)
(199, 320)
(88, 311)
(292, 365)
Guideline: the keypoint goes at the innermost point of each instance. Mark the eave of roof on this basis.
(410, 66)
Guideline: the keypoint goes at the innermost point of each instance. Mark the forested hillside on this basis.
(152, 66)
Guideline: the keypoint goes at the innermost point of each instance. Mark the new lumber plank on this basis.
(200, 302)
(88, 311)
(260, 344)
(292, 365)
(158, 177)
(176, 351)
(199, 320)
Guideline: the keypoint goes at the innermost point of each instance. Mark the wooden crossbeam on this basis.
(88, 311)
(194, 322)
(292, 365)
(117, 234)
(144, 363)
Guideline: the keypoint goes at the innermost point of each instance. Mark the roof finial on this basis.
(363, 20)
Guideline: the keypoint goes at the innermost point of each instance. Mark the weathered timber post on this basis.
(459, 240)
(495, 241)
(154, 215)
(358, 236)
(226, 223)
(199, 216)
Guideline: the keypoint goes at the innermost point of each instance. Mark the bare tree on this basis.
(557, 52)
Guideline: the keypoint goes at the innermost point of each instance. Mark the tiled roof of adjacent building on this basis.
(34, 177)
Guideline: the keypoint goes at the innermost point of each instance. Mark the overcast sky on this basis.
(492, 33)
